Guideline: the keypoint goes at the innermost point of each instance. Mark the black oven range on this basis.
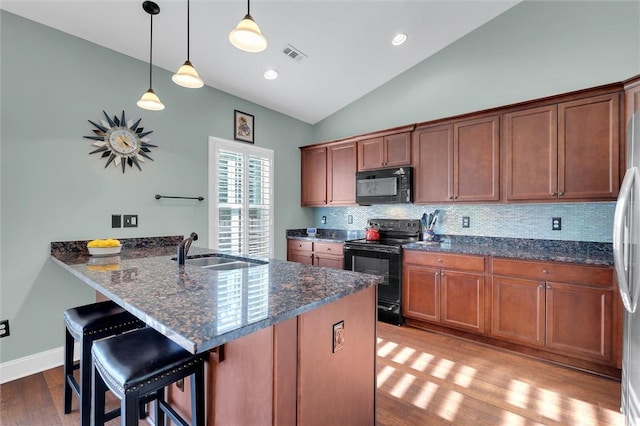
(384, 257)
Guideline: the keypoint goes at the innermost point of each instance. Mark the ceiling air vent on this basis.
(293, 53)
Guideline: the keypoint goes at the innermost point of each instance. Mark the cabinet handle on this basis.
(560, 194)
(442, 274)
(455, 197)
(553, 194)
(329, 249)
(451, 197)
(544, 271)
(541, 286)
(549, 287)
(439, 260)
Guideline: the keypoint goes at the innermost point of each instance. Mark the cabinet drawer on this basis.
(300, 245)
(554, 271)
(445, 260)
(328, 248)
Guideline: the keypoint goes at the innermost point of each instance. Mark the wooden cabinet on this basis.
(564, 308)
(341, 174)
(448, 289)
(318, 253)
(314, 176)
(328, 174)
(567, 151)
(384, 151)
(456, 162)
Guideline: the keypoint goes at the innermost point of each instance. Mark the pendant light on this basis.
(247, 36)
(149, 99)
(187, 76)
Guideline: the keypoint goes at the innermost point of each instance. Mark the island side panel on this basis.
(337, 386)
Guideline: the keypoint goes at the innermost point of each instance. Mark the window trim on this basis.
(213, 186)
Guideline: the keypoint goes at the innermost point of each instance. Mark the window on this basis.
(241, 198)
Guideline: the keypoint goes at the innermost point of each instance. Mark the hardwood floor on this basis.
(423, 379)
(430, 379)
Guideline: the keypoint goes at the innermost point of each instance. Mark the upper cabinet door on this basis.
(433, 164)
(314, 176)
(370, 154)
(397, 150)
(476, 166)
(341, 174)
(531, 143)
(588, 148)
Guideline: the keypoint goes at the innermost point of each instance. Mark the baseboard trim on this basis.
(32, 364)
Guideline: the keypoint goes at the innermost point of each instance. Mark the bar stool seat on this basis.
(86, 324)
(142, 363)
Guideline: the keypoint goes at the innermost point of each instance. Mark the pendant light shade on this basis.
(149, 99)
(247, 35)
(187, 76)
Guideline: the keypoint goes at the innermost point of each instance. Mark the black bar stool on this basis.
(140, 364)
(86, 324)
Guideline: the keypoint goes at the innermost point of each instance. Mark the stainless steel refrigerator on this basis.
(626, 253)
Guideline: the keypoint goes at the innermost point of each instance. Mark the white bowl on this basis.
(104, 251)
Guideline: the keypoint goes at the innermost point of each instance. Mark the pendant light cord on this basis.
(188, 31)
(151, 52)
(249, 7)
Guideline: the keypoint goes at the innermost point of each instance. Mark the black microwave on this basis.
(384, 186)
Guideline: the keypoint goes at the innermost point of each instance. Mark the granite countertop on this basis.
(589, 253)
(199, 308)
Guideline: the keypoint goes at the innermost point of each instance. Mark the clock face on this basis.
(121, 142)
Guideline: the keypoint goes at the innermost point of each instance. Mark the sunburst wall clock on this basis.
(121, 141)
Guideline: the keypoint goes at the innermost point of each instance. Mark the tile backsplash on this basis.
(580, 221)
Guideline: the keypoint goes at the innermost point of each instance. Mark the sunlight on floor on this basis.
(549, 404)
(432, 395)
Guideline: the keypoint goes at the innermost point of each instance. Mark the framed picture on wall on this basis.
(243, 126)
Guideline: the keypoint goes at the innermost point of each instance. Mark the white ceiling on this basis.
(347, 42)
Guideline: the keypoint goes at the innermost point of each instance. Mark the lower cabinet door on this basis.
(335, 262)
(518, 311)
(421, 293)
(462, 300)
(579, 321)
(300, 257)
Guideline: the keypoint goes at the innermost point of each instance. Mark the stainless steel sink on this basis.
(223, 262)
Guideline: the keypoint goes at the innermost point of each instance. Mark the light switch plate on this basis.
(465, 221)
(130, 220)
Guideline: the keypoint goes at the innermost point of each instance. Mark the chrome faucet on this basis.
(183, 247)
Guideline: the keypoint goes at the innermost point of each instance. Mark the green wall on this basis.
(52, 190)
(533, 50)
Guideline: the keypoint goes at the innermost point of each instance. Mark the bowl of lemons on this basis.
(107, 247)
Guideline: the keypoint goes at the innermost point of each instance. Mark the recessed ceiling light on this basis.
(271, 74)
(399, 39)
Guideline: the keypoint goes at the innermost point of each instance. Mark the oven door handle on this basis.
(348, 249)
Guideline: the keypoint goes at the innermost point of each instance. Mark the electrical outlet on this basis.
(350, 219)
(338, 336)
(130, 220)
(4, 328)
(324, 220)
(556, 223)
(465, 221)
(116, 221)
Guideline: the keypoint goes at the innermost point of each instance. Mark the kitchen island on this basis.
(289, 343)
